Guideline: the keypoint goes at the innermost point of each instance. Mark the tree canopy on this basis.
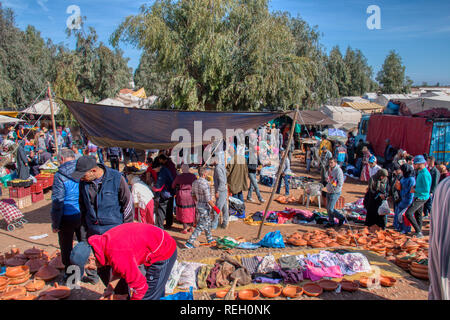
(392, 75)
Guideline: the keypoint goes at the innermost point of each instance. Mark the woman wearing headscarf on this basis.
(407, 182)
(185, 212)
(23, 171)
(376, 193)
(142, 198)
(365, 172)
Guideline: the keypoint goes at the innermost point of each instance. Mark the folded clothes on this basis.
(289, 262)
(292, 276)
(250, 263)
(268, 264)
(271, 275)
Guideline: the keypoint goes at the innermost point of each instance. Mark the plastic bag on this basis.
(384, 209)
(181, 295)
(226, 243)
(272, 240)
(188, 277)
(175, 275)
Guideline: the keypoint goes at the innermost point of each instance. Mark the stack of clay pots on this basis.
(419, 269)
(286, 200)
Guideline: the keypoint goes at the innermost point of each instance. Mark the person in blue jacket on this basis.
(407, 182)
(65, 212)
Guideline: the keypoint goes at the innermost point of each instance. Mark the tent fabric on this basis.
(111, 126)
(364, 106)
(6, 119)
(313, 117)
(342, 115)
(407, 133)
(42, 108)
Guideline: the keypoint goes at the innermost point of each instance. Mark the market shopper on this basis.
(435, 176)
(65, 212)
(373, 166)
(114, 154)
(201, 193)
(325, 157)
(309, 158)
(164, 194)
(365, 172)
(394, 190)
(126, 247)
(23, 170)
(220, 187)
(376, 194)
(341, 154)
(421, 195)
(335, 182)
(407, 183)
(285, 175)
(185, 211)
(439, 255)
(237, 173)
(142, 197)
(443, 171)
(252, 167)
(105, 202)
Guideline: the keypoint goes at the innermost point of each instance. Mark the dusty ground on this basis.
(38, 216)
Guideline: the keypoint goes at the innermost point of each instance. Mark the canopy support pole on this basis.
(280, 168)
(53, 118)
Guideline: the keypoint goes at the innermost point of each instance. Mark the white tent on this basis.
(6, 119)
(383, 99)
(42, 107)
(423, 104)
(111, 102)
(344, 116)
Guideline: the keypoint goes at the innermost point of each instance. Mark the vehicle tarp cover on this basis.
(111, 126)
(407, 133)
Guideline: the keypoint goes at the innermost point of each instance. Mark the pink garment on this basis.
(185, 212)
(147, 214)
(305, 213)
(316, 273)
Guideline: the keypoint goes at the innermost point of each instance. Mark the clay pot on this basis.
(35, 264)
(17, 272)
(35, 285)
(292, 291)
(26, 297)
(46, 273)
(15, 262)
(409, 244)
(297, 242)
(318, 245)
(47, 297)
(58, 292)
(350, 286)
(387, 281)
(12, 253)
(419, 267)
(307, 237)
(364, 281)
(12, 292)
(222, 293)
(248, 294)
(20, 280)
(56, 263)
(327, 285)
(420, 275)
(33, 253)
(333, 244)
(362, 240)
(4, 281)
(312, 289)
(270, 291)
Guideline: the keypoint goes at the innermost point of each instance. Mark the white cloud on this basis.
(41, 3)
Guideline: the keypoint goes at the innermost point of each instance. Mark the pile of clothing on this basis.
(289, 269)
(288, 215)
(356, 211)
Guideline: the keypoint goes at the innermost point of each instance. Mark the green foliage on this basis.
(360, 73)
(392, 75)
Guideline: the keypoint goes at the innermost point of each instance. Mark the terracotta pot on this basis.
(26, 297)
(222, 293)
(35, 285)
(47, 297)
(20, 280)
(15, 262)
(17, 272)
(334, 244)
(418, 266)
(56, 263)
(420, 275)
(362, 240)
(292, 291)
(350, 286)
(298, 242)
(35, 264)
(387, 281)
(327, 285)
(319, 245)
(248, 294)
(4, 281)
(307, 237)
(364, 281)
(33, 253)
(270, 291)
(13, 292)
(58, 292)
(311, 242)
(46, 273)
(312, 289)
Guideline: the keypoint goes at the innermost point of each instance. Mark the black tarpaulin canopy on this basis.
(111, 126)
(313, 117)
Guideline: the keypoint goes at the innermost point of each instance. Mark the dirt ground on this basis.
(38, 216)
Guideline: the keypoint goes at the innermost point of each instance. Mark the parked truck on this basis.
(416, 135)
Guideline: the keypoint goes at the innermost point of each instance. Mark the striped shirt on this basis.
(201, 190)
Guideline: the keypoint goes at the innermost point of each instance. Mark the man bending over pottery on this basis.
(126, 247)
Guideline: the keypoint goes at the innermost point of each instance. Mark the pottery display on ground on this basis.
(17, 272)
(33, 253)
(350, 286)
(35, 264)
(222, 293)
(20, 280)
(56, 263)
(248, 294)
(270, 291)
(12, 292)
(57, 291)
(26, 296)
(387, 281)
(312, 289)
(15, 261)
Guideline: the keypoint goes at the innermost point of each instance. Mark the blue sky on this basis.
(419, 30)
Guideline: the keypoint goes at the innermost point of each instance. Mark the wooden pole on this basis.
(280, 168)
(53, 118)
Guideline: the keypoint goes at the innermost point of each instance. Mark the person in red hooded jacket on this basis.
(125, 248)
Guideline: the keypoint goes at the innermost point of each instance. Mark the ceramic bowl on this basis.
(350, 286)
(35, 285)
(327, 285)
(248, 294)
(270, 291)
(312, 289)
(292, 291)
(222, 293)
(17, 272)
(387, 281)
